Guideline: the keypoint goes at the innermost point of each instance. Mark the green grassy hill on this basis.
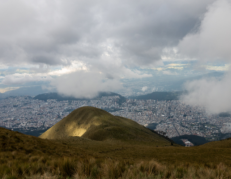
(11, 141)
(97, 124)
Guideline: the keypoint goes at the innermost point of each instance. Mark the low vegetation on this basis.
(23, 156)
(36, 167)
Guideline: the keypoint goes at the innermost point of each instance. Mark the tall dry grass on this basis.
(36, 167)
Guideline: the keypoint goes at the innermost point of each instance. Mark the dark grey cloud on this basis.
(109, 37)
(137, 31)
(48, 59)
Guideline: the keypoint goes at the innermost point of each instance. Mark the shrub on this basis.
(95, 172)
(68, 168)
(180, 172)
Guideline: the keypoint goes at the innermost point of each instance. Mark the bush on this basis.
(95, 172)
(68, 168)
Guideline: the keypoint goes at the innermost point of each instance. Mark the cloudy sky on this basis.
(82, 47)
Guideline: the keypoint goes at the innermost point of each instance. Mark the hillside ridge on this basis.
(97, 124)
(59, 97)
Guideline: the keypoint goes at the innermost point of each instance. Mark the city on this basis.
(171, 117)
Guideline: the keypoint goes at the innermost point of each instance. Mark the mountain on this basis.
(159, 96)
(24, 91)
(60, 97)
(97, 124)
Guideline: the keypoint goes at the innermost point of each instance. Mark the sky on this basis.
(133, 47)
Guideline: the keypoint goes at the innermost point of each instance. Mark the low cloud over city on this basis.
(210, 44)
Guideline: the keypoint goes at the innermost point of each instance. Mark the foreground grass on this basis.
(45, 167)
(23, 156)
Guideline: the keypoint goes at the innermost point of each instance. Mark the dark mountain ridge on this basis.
(60, 97)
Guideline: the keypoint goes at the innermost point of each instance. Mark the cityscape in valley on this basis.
(168, 117)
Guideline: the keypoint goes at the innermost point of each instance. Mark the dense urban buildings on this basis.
(171, 117)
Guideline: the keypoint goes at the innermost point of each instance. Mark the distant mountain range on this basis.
(60, 97)
(43, 94)
(24, 91)
(154, 95)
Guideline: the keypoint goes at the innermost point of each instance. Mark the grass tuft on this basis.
(68, 167)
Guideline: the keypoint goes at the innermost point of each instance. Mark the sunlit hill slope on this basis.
(97, 124)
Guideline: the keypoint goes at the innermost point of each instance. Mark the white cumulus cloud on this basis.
(211, 43)
(144, 88)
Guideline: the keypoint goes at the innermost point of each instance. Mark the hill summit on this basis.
(97, 124)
